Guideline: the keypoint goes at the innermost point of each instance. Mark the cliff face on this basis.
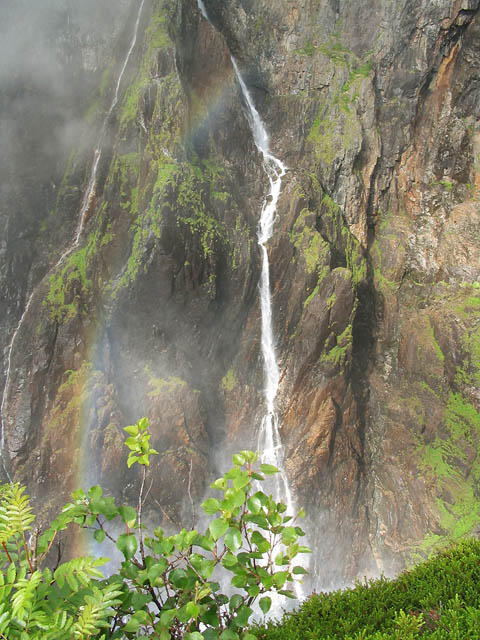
(375, 261)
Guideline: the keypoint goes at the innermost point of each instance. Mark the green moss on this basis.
(156, 38)
(70, 288)
(308, 49)
(229, 380)
(356, 261)
(340, 353)
(158, 386)
(157, 35)
(336, 51)
(323, 140)
(331, 300)
(191, 197)
(309, 241)
(444, 459)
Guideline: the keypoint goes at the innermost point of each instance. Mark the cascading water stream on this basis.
(269, 440)
(85, 206)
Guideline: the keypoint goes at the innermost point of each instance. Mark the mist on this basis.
(52, 56)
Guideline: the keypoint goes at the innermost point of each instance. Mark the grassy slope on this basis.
(438, 599)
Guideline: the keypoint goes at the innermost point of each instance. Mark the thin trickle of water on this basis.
(92, 183)
(85, 206)
(203, 10)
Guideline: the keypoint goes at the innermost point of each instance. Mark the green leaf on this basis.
(167, 616)
(268, 469)
(238, 459)
(254, 504)
(138, 618)
(229, 560)
(228, 634)
(243, 616)
(217, 528)
(265, 604)
(192, 610)
(95, 493)
(233, 539)
(249, 636)
(299, 570)
(254, 590)
(206, 543)
(128, 515)
(132, 430)
(234, 497)
(131, 460)
(288, 593)
(179, 578)
(211, 506)
(11, 573)
(220, 484)
(241, 480)
(194, 635)
(127, 544)
(143, 424)
(235, 601)
(133, 444)
(99, 535)
(289, 535)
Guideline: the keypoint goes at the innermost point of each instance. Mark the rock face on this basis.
(375, 261)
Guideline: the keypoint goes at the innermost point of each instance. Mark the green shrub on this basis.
(437, 599)
(165, 587)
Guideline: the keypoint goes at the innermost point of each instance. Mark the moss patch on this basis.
(229, 381)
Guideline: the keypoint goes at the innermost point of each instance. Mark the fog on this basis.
(52, 56)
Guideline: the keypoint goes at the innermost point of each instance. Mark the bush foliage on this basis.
(167, 586)
(439, 599)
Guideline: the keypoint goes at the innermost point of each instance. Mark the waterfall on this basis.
(85, 206)
(203, 10)
(269, 440)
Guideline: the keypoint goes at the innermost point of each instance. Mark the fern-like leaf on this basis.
(15, 512)
(96, 612)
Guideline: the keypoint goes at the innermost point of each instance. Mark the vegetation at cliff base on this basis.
(439, 599)
(168, 586)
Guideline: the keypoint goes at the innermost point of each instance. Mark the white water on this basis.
(86, 203)
(202, 8)
(269, 440)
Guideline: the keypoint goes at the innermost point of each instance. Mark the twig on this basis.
(190, 493)
(45, 553)
(139, 513)
(27, 555)
(165, 514)
(59, 555)
(8, 555)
